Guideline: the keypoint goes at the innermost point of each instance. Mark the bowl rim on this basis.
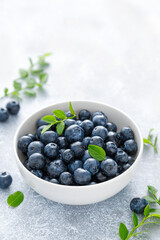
(105, 183)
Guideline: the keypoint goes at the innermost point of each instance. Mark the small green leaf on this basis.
(30, 92)
(36, 71)
(39, 85)
(31, 82)
(71, 109)
(154, 211)
(46, 128)
(45, 55)
(15, 199)
(42, 63)
(43, 77)
(49, 119)
(31, 62)
(150, 135)
(149, 199)
(123, 231)
(97, 152)
(60, 127)
(6, 92)
(17, 85)
(15, 94)
(146, 211)
(146, 141)
(135, 219)
(23, 73)
(59, 114)
(152, 190)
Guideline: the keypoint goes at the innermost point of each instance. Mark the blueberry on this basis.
(41, 122)
(100, 120)
(111, 127)
(84, 114)
(78, 149)
(130, 146)
(36, 161)
(26, 164)
(138, 205)
(49, 137)
(74, 165)
(55, 168)
(5, 180)
(92, 183)
(100, 177)
(66, 178)
(131, 160)
(23, 143)
(100, 131)
(74, 133)
(111, 148)
(39, 130)
(62, 142)
(13, 107)
(96, 140)
(86, 155)
(32, 136)
(78, 122)
(118, 140)
(68, 114)
(125, 166)
(112, 137)
(86, 142)
(69, 122)
(97, 113)
(35, 147)
(54, 180)
(68, 156)
(121, 156)
(61, 153)
(4, 115)
(51, 150)
(92, 165)
(87, 126)
(46, 178)
(109, 167)
(126, 133)
(37, 173)
(82, 176)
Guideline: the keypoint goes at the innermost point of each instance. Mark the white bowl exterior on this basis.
(78, 195)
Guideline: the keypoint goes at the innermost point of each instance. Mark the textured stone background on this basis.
(103, 50)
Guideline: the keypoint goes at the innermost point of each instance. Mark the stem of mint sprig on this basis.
(149, 140)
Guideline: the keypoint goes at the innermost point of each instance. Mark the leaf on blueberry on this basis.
(15, 199)
(97, 152)
(60, 127)
(49, 119)
(59, 114)
(71, 108)
(46, 128)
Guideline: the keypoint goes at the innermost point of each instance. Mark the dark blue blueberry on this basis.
(54, 180)
(13, 107)
(36, 161)
(62, 142)
(37, 173)
(23, 143)
(69, 122)
(78, 149)
(82, 176)
(32, 136)
(131, 160)
(68, 114)
(26, 164)
(46, 178)
(100, 177)
(87, 126)
(49, 137)
(111, 148)
(138, 205)
(96, 140)
(92, 165)
(100, 120)
(51, 150)
(130, 146)
(68, 156)
(35, 147)
(41, 122)
(74, 165)
(111, 127)
(101, 132)
(78, 122)
(97, 113)
(84, 114)
(121, 156)
(86, 156)
(118, 140)
(86, 142)
(112, 137)
(4, 114)
(55, 168)
(5, 180)
(61, 153)
(66, 178)
(120, 168)
(74, 133)
(109, 167)
(92, 183)
(126, 133)
(39, 130)
(125, 166)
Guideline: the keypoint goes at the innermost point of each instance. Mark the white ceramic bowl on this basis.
(78, 195)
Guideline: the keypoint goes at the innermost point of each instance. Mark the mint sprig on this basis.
(30, 79)
(59, 119)
(148, 140)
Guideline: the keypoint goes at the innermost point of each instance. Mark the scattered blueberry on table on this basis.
(12, 108)
(5, 180)
(65, 159)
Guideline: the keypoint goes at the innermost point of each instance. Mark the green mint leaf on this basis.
(23, 73)
(29, 92)
(97, 152)
(39, 85)
(71, 109)
(6, 92)
(31, 82)
(59, 114)
(146, 141)
(146, 211)
(150, 134)
(135, 219)
(45, 55)
(15, 94)
(43, 77)
(17, 85)
(36, 71)
(60, 127)
(154, 211)
(49, 119)
(149, 199)
(123, 231)
(31, 62)
(42, 63)
(46, 128)
(15, 199)
(152, 190)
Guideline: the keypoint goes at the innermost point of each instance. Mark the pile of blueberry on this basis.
(65, 159)
(12, 108)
